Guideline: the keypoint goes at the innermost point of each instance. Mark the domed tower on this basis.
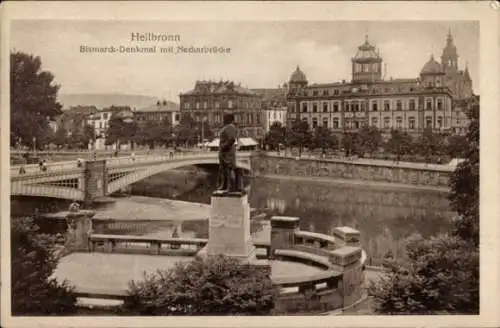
(366, 64)
(449, 58)
(432, 74)
(297, 79)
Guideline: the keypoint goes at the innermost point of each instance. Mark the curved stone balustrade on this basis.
(145, 245)
(315, 243)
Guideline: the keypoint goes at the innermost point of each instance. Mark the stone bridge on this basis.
(88, 180)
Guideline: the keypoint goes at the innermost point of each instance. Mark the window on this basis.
(230, 104)
(399, 105)
(440, 104)
(325, 123)
(205, 105)
(217, 104)
(176, 117)
(374, 106)
(374, 121)
(336, 92)
(325, 92)
(412, 104)
(346, 107)
(315, 93)
(274, 115)
(428, 104)
(336, 107)
(315, 108)
(399, 122)
(355, 107)
(362, 106)
(439, 122)
(428, 122)
(105, 115)
(387, 105)
(325, 107)
(411, 122)
(387, 122)
(314, 122)
(304, 108)
(197, 105)
(336, 123)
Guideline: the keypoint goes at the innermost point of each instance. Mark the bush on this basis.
(214, 286)
(34, 291)
(440, 276)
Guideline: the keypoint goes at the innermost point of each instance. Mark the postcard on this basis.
(284, 164)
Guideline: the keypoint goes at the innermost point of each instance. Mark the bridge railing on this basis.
(16, 170)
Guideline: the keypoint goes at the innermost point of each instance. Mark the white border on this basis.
(266, 11)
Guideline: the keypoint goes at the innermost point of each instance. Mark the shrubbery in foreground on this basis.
(34, 291)
(214, 286)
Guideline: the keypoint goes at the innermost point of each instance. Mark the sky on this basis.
(263, 54)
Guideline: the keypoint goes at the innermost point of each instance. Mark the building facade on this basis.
(210, 100)
(410, 105)
(274, 106)
(157, 113)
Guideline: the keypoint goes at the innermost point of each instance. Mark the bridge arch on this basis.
(131, 176)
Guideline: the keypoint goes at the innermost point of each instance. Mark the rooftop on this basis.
(221, 87)
(162, 106)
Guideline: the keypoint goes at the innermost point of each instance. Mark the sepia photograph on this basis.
(314, 167)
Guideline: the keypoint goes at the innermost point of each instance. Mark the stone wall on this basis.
(431, 176)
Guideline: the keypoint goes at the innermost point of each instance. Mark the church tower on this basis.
(366, 64)
(449, 58)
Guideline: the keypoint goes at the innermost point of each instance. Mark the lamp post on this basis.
(34, 146)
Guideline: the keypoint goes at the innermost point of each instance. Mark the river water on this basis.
(385, 215)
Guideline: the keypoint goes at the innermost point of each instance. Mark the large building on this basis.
(430, 100)
(274, 106)
(210, 100)
(157, 113)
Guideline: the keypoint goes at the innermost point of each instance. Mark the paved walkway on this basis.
(112, 272)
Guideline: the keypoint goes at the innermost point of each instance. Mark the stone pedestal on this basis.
(283, 230)
(229, 227)
(79, 230)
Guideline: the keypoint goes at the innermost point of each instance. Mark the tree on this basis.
(61, 135)
(215, 286)
(275, 136)
(186, 130)
(89, 134)
(399, 143)
(430, 143)
(299, 135)
(440, 277)
(370, 139)
(33, 100)
(33, 257)
(457, 146)
(121, 129)
(464, 185)
(350, 143)
(323, 138)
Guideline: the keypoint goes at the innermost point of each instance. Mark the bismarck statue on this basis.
(230, 182)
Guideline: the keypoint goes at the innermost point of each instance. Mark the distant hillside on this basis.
(105, 100)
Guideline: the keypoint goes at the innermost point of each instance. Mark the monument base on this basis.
(229, 227)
